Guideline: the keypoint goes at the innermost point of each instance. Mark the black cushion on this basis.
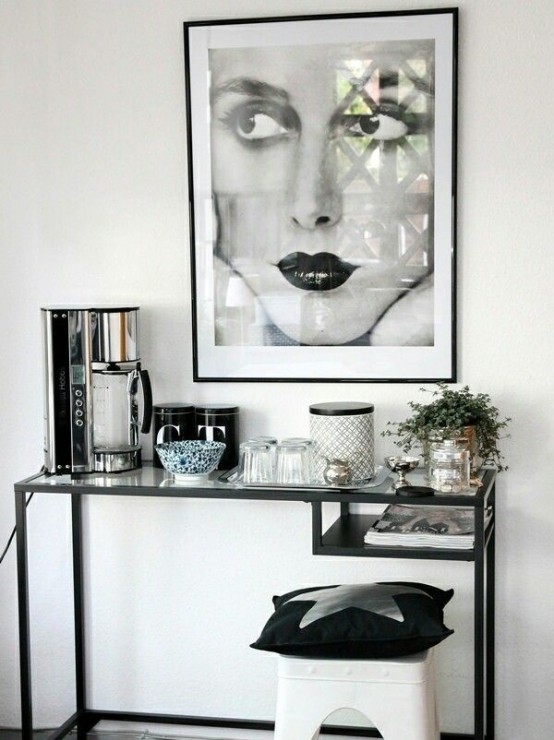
(371, 620)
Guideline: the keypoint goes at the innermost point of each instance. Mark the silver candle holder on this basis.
(401, 465)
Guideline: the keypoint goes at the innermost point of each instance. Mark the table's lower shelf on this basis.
(346, 537)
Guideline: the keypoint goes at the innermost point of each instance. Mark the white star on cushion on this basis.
(373, 597)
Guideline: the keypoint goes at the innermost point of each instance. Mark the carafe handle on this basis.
(146, 387)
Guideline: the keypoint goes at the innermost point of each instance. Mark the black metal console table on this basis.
(345, 537)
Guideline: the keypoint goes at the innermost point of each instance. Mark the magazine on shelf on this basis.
(424, 526)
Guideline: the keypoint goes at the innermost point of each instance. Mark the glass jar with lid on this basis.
(449, 466)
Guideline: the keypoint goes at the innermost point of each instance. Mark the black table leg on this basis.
(78, 612)
(23, 613)
(489, 628)
(479, 621)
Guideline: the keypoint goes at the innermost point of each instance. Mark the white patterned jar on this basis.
(342, 430)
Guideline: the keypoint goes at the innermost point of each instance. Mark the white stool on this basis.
(397, 695)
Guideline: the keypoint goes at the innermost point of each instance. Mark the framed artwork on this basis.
(322, 176)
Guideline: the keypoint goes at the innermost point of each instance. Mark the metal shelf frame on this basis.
(343, 538)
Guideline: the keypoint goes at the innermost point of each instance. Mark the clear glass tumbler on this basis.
(272, 442)
(309, 445)
(292, 464)
(256, 462)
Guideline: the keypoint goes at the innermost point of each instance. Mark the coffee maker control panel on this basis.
(79, 339)
(79, 390)
(80, 440)
(78, 407)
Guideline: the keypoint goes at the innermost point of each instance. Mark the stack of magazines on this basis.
(424, 526)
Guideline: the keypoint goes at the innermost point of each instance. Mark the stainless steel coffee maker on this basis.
(93, 382)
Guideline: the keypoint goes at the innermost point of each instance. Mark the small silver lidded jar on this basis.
(342, 430)
(449, 469)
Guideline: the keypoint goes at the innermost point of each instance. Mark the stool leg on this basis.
(302, 706)
(407, 713)
(291, 724)
(432, 694)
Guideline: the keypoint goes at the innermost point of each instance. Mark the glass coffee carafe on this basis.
(117, 381)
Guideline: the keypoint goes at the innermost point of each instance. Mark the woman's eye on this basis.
(258, 126)
(262, 124)
(381, 125)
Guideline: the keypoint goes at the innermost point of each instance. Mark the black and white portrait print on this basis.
(322, 174)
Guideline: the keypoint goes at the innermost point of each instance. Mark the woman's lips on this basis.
(322, 271)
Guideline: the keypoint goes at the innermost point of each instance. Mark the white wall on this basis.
(94, 208)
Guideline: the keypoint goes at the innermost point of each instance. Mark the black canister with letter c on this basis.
(171, 422)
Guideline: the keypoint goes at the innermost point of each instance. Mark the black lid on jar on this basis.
(341, 408)
(217, 408)
(164, 408)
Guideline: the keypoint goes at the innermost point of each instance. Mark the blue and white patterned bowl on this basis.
(190, 460)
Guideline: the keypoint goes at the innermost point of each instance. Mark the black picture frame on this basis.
(342, 267)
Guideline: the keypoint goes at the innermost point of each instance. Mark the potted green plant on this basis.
(453, 413)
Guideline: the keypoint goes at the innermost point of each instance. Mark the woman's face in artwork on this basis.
(307, 176)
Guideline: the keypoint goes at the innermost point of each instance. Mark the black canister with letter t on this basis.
(220, 422)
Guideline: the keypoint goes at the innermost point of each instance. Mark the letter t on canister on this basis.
(220, 422)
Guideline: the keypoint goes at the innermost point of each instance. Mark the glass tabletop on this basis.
(152, 481)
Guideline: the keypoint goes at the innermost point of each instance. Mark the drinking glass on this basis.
(256, 462)
(272, 442)
(292, 464)
(305, 442)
